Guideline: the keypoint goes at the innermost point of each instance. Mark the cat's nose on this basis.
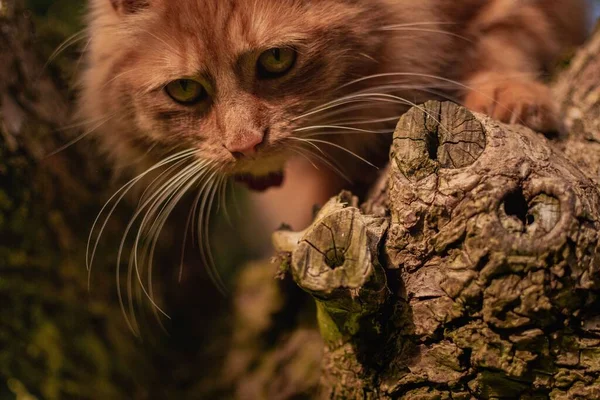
(245, 145)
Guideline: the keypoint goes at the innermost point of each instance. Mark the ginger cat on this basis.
(264, 91)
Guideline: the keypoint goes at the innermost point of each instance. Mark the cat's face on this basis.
(231, 78)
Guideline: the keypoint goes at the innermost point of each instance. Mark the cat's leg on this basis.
(514, 97)
(517, 41)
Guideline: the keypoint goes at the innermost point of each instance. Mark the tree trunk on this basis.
(471, 271)
(486, 282)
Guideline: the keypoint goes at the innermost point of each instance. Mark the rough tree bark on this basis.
(492, 258)
(470, 272)
(472, 269)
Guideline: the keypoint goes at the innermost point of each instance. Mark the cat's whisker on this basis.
(130, 317)
(83, 52)
(392, 86)
(408, 29)
(83, 135)
(323, 107)
(188, 225)
(159, 222)
(356, 98)
(297, 150)
(198, 210)
(212, 265)
(203, 233)
(338, 147)
(344, 112)
(337, 130)
(134, 262)
(331, 164)
(117, 197)
(162, 207)
(316, 127)
(425, 23)
(322, 157)
(363, 103)
(223, 200)
(173, 49)
(452, 82)
(85, 122)
(71, 40)
(119, 75)
(360, 96)
(171, 197)
(372, 121)
(140, 158)
(403, 74)
(158, 208)
(423, 89)
(402, 100)
(344, 133)
(191, 216)
(149, 249)
(433, 81)
(309, 143)
(384, 97)
(158, 182)
(168, 196)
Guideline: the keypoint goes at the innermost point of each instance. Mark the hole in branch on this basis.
(432, 142)
(516, 205)
(334, 258)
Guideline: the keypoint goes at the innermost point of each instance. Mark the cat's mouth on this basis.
(262, 182)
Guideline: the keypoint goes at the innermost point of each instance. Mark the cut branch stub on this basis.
(436, 135)
(333, 254)
(337, 252)
(336, 261)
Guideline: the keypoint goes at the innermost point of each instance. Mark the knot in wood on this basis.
(335, 257)
(532, 217)
(536, 214)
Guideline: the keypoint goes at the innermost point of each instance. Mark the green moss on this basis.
(46, 346)
(493, 385)
(17, 258)
(329, 330)
(426, 394)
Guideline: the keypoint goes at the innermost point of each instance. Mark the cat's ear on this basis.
(130, 6)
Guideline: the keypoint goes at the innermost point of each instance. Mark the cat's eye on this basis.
(187, 91)
(275, 62)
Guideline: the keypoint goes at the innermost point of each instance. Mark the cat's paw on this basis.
(524, 102)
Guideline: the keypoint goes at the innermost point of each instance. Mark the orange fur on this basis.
(487, 53)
